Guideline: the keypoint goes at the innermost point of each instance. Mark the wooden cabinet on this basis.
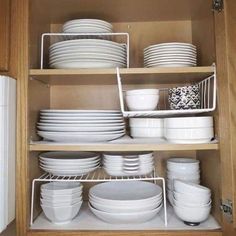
(147, 22)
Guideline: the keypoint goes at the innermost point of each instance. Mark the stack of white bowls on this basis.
(189, 130)
(192, 202)
(69, 163)
(61, 201)
(125, 202)
(142, 99)
(87, 26)
(146, 127)
(185, 169)
(128, 164)
(170, 55)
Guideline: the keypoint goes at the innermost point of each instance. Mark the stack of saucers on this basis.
(87, 26)
(192, 202)
(125, 202)
(61, 201)
(81, 125)
(128, 164)
(69, 163)
(182, 169)
(170, 55)
(87, 53)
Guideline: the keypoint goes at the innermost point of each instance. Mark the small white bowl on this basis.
(142, 102)
(143, 92)
(61, 215)
(170, 182)
(183, 175)
(142, 132)
(61, 198)
(183, 165)
(54, 203)
(187, 187)
(146, 122)
(193, 215)
(187, 204)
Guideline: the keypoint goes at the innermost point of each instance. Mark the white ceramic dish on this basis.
(146, 122)
(88, 21)
(82, 112)
(61, 198)
(185, 165)
(143, 92)
(181, 203)
(120, 156)
(60, 204)
(126, 218)
(143, 132)
(86, 29)
(52, 117)
(170, 182)
(170, 65)
(119, 173)
(171, 45)
(175, 175)
(85, 122)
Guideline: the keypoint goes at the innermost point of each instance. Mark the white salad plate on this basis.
(58, 111)
(86, 29)
(52, 117)
(88, 21)
(118, 122)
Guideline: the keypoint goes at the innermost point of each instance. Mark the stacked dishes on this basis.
(81, 125)
(87, 53)
(61, 201)
(170, 55)
(192, 202)
(128, 164)
(69, 163)
(183, 169)
(87, 26)
(146, 127)
(125, 202)
(189, 129)
(142, 99)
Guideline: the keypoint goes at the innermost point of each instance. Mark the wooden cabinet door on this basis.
(4, 34)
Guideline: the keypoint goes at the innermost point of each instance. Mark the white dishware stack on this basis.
(185, 169)
(7, 150)
(61, 201)
(146, 128)
(189, 130)
(69, 163)
(170, 55)
(128, 164)
(192, 202)
(125, 202)
(81, 125)
(87, 26)
(142, 99)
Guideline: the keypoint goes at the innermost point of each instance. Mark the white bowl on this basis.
(195, 198)
(119, 156)
(183, 175)
(119, 173)
(143, 92)
(61, 198)
(170, 182)
(125, 218)
(170, 196)
(187, 204)
(187, 187)
(142, 132)
(59, 204)
(182, 165)
(188, 122)
(61, 215)
(146, 122)
(142, 102)
(192, 214)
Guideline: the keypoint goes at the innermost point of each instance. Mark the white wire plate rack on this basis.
(96, 176)
(207, 93)
(49, 38)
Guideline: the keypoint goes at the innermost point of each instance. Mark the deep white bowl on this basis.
(61, 215)
(187, 204)
(183, 175)
(187, 187)
(146, 122)
(61, 198)
(192, 214)
(142, 102)
(188, 122)
(200, 199)
(125, 218)
(183, 165)
(143, 132)
(170, 182)
(143, 92)
(53, 203)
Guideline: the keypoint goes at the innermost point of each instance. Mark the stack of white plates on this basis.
(61, 201)
(170, 55)
(128, 164)
(87, 26)
(81, 125)
(69, 163)
(125, 202)
(189, 129)
(182, 169)
(87, 53)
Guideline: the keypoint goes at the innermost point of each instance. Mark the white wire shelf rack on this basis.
(97, 176)
(207, 99)
(50, 38)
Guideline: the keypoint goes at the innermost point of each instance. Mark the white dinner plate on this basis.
(171, 45)
(116, 121)
(88, 21)
(66, 114)
(170, 49)
(81, 118)
(86, 29)
(170, 53)
(110, 125)
(169, 57)
(81, 111)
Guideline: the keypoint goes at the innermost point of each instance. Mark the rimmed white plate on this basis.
(80, 118)
(88, 21)
(117, 121)
(98, 115)
(86, 29)
(80, 111)
(171, 45)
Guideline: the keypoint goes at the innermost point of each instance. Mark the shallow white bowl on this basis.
(146, 122)
(192, 214)
(125, 218)
(142, 102)
(61, 215)
(188, 122)
(187, 187)
(143, 132)
(183, 165)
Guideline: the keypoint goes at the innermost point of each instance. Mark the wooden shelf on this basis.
(44, 146)
(108, 76)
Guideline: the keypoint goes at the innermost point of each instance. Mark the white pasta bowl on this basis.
(61, 215)
(146, 122)
(143, 132)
